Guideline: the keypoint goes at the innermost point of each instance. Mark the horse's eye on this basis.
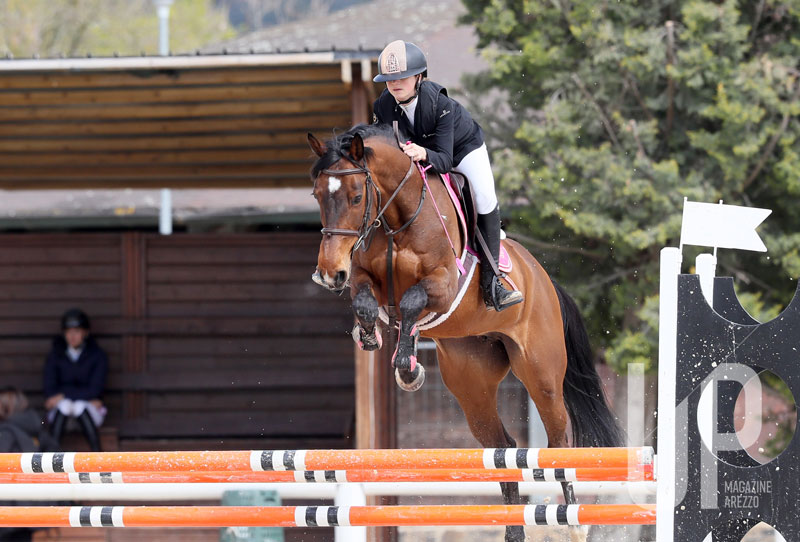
(357, 199)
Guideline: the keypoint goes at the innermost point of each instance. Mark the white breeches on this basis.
(476, 168)
(74, 407)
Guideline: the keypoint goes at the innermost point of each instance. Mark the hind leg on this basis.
(544, 381)
(472, 369)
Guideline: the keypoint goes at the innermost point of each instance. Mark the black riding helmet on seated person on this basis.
(73, 318)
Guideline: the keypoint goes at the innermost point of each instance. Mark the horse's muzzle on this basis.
(337, 284)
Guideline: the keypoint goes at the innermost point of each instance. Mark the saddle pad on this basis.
(504, 264)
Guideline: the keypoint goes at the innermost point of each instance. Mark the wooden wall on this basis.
(215, 341)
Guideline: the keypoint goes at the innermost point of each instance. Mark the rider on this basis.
(443, 133)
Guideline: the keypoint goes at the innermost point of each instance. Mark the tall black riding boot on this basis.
(89, 430)
(494, 293)
(57, 427)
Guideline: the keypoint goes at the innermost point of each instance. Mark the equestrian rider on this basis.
(442, 133)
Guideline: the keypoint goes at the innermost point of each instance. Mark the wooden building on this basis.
(216, 341)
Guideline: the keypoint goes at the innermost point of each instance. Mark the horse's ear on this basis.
(316, 145)
(357, 148)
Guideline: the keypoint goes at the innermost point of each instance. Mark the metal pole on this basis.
(350, 495)
(162, 7)
(165, 214)
(667, 359)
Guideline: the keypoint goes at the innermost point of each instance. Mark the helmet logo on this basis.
(392, 64)
(393, 59)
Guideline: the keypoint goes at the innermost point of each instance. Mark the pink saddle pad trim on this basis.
(505, 260)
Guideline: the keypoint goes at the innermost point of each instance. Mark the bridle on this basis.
(367, 228)
(364, 233)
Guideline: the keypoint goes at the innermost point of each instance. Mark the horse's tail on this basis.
(593, 423)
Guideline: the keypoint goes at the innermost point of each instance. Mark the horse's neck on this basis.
(406, 203)
(389, 176)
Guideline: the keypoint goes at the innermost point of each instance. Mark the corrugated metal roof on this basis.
(189, 61)
(433, 25)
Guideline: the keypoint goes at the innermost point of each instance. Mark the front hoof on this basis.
(410, 380)
(367, 341)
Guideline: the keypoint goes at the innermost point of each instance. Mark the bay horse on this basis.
(375, 208)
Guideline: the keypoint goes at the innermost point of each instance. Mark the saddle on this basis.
(459, 189)
(460, 193)
(465, 203)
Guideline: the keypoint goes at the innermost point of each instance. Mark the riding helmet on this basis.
(400, 59)
(74, 318)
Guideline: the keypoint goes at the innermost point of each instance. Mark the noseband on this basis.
(364, 233)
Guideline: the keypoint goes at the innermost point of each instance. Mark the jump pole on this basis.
(161, 492)
(614, 474)
(301, 460)
(325, 516)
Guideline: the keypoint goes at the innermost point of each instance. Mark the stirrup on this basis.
(498, 298)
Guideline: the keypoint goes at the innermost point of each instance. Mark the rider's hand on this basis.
(417, 153)
(51, 402)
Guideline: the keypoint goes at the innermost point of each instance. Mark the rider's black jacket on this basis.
(441, 125)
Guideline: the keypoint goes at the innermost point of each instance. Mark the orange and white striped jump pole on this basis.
(325, 516)
(302, 460)
(614, 474)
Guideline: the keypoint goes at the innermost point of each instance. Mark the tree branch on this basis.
(603, 117)
(670, 82)
(759, 14)
(639, 147)
(631, 82)
(606, 279)
(530, 241)
(770, 148)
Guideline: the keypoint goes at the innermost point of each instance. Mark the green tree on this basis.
(616, 110)
(50, 28)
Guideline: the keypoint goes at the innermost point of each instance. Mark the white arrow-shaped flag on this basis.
(722, 226)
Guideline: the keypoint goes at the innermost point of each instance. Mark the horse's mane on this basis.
(339, 145)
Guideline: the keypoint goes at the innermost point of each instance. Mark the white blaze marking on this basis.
(333, 184)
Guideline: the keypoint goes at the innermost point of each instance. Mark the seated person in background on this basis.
(21, 428)
(74, 379)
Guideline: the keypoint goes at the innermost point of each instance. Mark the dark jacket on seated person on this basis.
(82, 379)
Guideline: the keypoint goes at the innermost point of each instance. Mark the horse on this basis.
(377, 249)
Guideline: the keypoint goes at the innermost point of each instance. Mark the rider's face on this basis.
(402, 89)
(75, 336)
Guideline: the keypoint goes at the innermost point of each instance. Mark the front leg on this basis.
(366, 333)
(409, 374)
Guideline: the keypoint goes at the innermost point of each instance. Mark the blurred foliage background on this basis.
(605, 114)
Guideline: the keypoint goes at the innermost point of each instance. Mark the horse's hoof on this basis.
(410, 381)
(367, 341)
(515, 533)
